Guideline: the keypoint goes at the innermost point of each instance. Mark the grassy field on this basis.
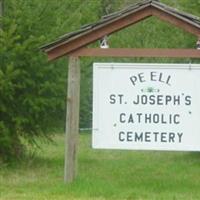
(131, 175)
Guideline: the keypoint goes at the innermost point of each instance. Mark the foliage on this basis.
(32, 90)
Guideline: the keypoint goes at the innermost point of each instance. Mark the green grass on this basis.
(131, 175)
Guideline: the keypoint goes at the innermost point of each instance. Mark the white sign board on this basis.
(146, 106)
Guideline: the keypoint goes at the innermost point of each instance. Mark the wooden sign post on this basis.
(72, 119)
(74, 45)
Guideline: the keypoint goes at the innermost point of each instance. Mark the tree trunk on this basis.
(1, 11)
(1, 7)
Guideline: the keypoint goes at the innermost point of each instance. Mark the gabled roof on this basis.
(116, 21)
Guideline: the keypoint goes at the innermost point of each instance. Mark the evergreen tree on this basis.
(32, 90)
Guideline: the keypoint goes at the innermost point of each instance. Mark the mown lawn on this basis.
(133, 175)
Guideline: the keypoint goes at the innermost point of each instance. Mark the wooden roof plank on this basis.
(98, 25)
(182, 17)
(97, 34)
(176, 11)
(116, 21)
(177, 21)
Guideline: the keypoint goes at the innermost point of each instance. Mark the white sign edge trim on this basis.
(187, 66)
(97, 66)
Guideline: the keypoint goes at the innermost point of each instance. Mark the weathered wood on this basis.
(128, 52)
(72, 119)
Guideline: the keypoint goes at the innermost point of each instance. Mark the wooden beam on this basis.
(98, 33)
(116, 25)
(126, 52)
(72, 119)
(178, 22)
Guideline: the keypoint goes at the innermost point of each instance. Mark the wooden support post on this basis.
(72, 119)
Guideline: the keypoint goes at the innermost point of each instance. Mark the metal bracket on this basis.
(104, 42)
(198, 44)
(190, 67)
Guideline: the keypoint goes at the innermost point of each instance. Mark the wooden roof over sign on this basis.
(111, 23)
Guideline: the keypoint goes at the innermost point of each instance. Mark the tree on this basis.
(1, 12)
(32, 92)
(1, 8)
